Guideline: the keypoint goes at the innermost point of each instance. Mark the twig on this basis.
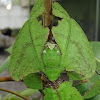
(23, 97)
(47, 17)
(5, 79)
(47, 13)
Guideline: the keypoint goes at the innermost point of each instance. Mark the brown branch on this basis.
(47, 17)
(23, 97)
(5, 79)
(47, 13)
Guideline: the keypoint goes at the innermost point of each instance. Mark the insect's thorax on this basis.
(51, 55)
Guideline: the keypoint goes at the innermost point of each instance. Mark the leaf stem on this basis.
(5, 79)
(23, 97)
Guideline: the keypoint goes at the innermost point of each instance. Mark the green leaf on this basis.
(0, 97)
(77, 54)
(83, 87)
(64, 92)
(33, 81)
(26, 93)
(95, 90)
(67, 92)
(95, 78)
(9, 49)
(5, 65)
(29, 92)
(98, 65)
(96, 97)
(96, 48)
(50, 94)
(75, 76)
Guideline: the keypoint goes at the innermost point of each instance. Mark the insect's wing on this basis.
(23, 58)
(27, 49)
(80, 55)
(39, 34)
(76, 51)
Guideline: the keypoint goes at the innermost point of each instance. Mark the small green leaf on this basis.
(29, 92)
(50, 94)
(75, 76)
(33, 81)
(5, 65)
(67, 92)
(96, 48)
(26, 93)
(9, 49)
(95, 90)
(0, 97)
(95, 78)
(95, 98)
(83, 87)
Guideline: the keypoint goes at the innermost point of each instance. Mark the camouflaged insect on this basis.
(71, 52)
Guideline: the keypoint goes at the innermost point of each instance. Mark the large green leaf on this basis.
(5, 65)
(33, 81)
(77, 54)
(93, 91)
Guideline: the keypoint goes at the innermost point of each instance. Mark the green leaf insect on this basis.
(32, 52)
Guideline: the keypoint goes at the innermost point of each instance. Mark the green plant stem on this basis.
(23, 97)
(5, 79)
